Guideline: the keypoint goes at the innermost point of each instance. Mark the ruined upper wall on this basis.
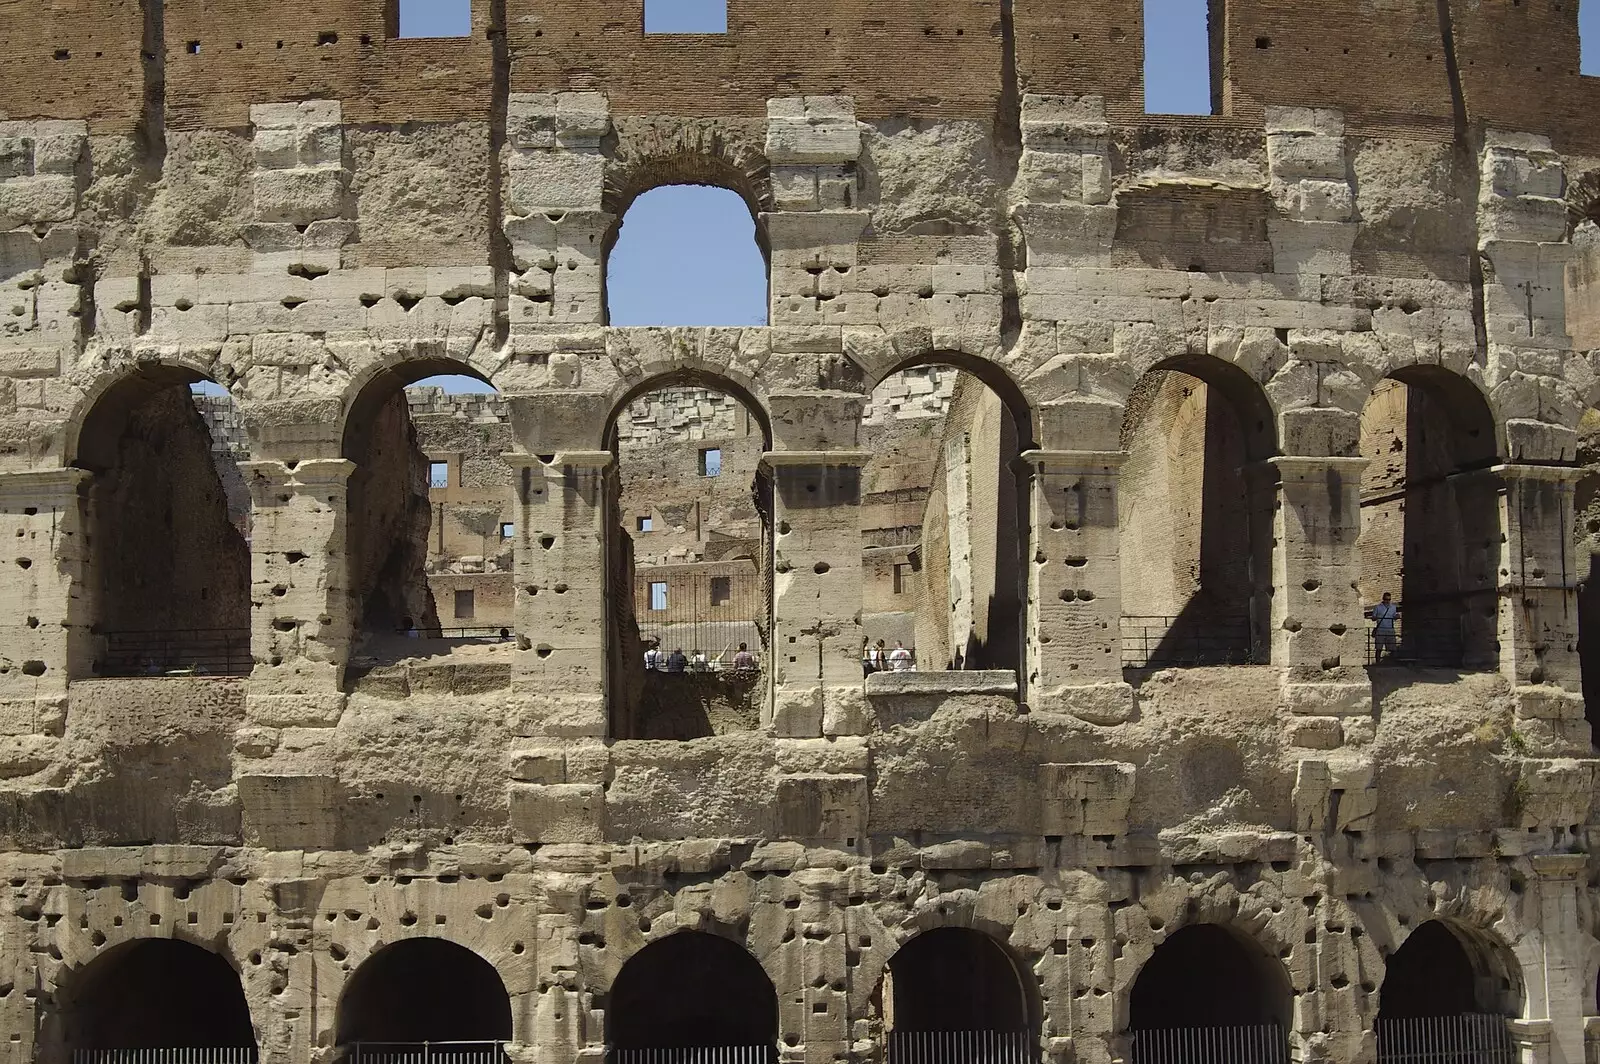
(1404, 68)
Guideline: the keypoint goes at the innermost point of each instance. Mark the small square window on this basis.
(658, 594)
(721, 590)
(434, 18)
(711, 462)
(508, 530)
(686, 16)
(464, 605)
(647, 524)
(438, 474)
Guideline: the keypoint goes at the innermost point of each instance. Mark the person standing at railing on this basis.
(900, 659)
(1384, 615)
(676, 661)
(652, 657)
(744, 661)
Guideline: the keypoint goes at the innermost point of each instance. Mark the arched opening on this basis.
(158, 993)
(687, 991)
(430, 519)
(1208, 993)
(690, 560)
(954, 994)
(944, 519)
(1446, 994)
(1430, 525)
(1195, 509)
(687, 254)
(1586, 507)
(167, 560)
(424, 990)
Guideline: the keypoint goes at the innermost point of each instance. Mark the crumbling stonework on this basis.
(1385, 235)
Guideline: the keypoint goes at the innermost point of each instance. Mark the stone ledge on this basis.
(974, 682)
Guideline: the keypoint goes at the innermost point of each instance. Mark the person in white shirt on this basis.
(900, 659)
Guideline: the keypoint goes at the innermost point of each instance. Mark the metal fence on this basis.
(1263, 1044)
(757, 1054)
(1161, 643)
(485, 633)
(1432, 645)
(704, 611)
(168, 1055)
(427, 1053)
(1471, 1038)
(961, 1047)
(179, 652)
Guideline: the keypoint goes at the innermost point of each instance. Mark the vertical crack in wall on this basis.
(499, 105)
(1008, 154)
(153, 59)
(1467, 161)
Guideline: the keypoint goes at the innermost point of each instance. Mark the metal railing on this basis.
(888, 663)
(1152, 643)
(1470, 1038)
(754, 1054)
(426, 1053)
(1261, 1044)
(961, 1047)
(177, 652)
(168, 1055)
(1432, 645)
(699, 664)
(490, 633)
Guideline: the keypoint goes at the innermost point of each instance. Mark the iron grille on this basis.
(1425, 645)
(487, 633)
(427, 1053)
(1162, 643)
(178, 652)
(1471, 1038)
(961, 1047)
(757, 1054)
(1262, 1044)
(168, 1055)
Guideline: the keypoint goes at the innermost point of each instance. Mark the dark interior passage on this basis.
(425, 990)
(955, 979)
(156, 993)
(692, 989)
(1431, 974)
(1208, 976)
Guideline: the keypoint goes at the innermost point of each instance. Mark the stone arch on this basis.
(1444, 967)
(151, 993)
(650, 153)
(1192, 979)
(995, 377)
(687, 989)
(720, 379)
(1430, 522)
(424, 989)
(955, 978)
(1197, 433)
(166, 512)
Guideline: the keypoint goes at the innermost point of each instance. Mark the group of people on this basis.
(875, 657)
(658, 660)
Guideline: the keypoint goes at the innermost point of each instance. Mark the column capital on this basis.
(1560, 865)
(311, 472)
(1301, 464)
(1569, 474)
(562, 459)
(43, 483)
(1073, 461)
(777, 459)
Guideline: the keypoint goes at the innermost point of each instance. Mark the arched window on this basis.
(1430, 526)
(430, 524)
(953, 994)
(156, 994)
(167, 565)
(1445, 995)
(424, 990)
(687, 254)
(944, 518)
(690, 569)
(1208, 993)
(1195, 508)
(688, 991)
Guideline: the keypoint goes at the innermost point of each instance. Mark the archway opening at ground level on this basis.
(1430, 521)
(1207, 992)
(167, 513)
(1195, 506)
(689, 574)
(944, 519)
(424, 990)
(1446, 994)
(692, 990)
(1586, 531)
(157, 994)
(954, 994)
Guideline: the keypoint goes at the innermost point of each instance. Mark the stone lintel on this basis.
(1303, 464)
(1081, 462)
(1569, 474)
(308, 471)
(816, 458)
(951, 682)
(43, 483)
(574, 459)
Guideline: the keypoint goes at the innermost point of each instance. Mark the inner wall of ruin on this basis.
(1240, 372)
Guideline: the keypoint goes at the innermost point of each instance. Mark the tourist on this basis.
(744, 661)
(652, 657)
(900, 659)
(1383, 615)
(676, 661)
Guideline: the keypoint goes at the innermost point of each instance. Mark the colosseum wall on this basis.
(1329, 341)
